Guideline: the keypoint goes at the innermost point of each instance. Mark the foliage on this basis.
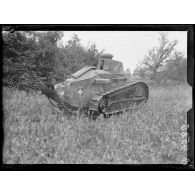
(128, 72)
(176, 69)
(140, 71)
(73, 56)
(163, 63)
(30, 57)
(36, 133)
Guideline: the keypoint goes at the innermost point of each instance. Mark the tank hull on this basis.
(94, 91)
(122, 97)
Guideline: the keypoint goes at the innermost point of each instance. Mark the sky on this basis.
(129, 47)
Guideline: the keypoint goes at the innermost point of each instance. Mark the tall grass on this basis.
(35, 132)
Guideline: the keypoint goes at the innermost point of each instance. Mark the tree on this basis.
(140, 72)
(76, 56)
(46, 52)
(158, 57)
(33, 56)
(128, 72)
(18, 47)
(176, 68)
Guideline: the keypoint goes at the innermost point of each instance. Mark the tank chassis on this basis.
(94, 91)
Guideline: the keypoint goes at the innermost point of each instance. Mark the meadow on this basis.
(37, 133)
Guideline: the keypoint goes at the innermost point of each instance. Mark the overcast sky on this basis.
(127, 46)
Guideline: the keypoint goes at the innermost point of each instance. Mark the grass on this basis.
(36, 133)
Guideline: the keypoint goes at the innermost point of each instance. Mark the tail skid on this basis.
(55, 100)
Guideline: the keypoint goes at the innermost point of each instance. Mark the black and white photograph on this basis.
(95, 96)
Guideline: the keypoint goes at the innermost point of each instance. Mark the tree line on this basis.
(30, 57)
(163, 63)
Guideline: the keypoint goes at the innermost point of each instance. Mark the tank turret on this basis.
(108, 64)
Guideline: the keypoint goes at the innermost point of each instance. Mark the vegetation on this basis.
(30, 57)
(163, 63)
(36, 133)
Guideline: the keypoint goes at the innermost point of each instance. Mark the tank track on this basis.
(99, 103)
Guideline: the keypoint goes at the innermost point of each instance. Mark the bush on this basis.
(30, 57)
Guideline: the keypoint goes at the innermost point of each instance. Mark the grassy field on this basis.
(37, 133)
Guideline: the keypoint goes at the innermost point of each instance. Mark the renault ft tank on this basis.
(94, 91)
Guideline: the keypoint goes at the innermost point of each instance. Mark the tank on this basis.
(94, 91)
